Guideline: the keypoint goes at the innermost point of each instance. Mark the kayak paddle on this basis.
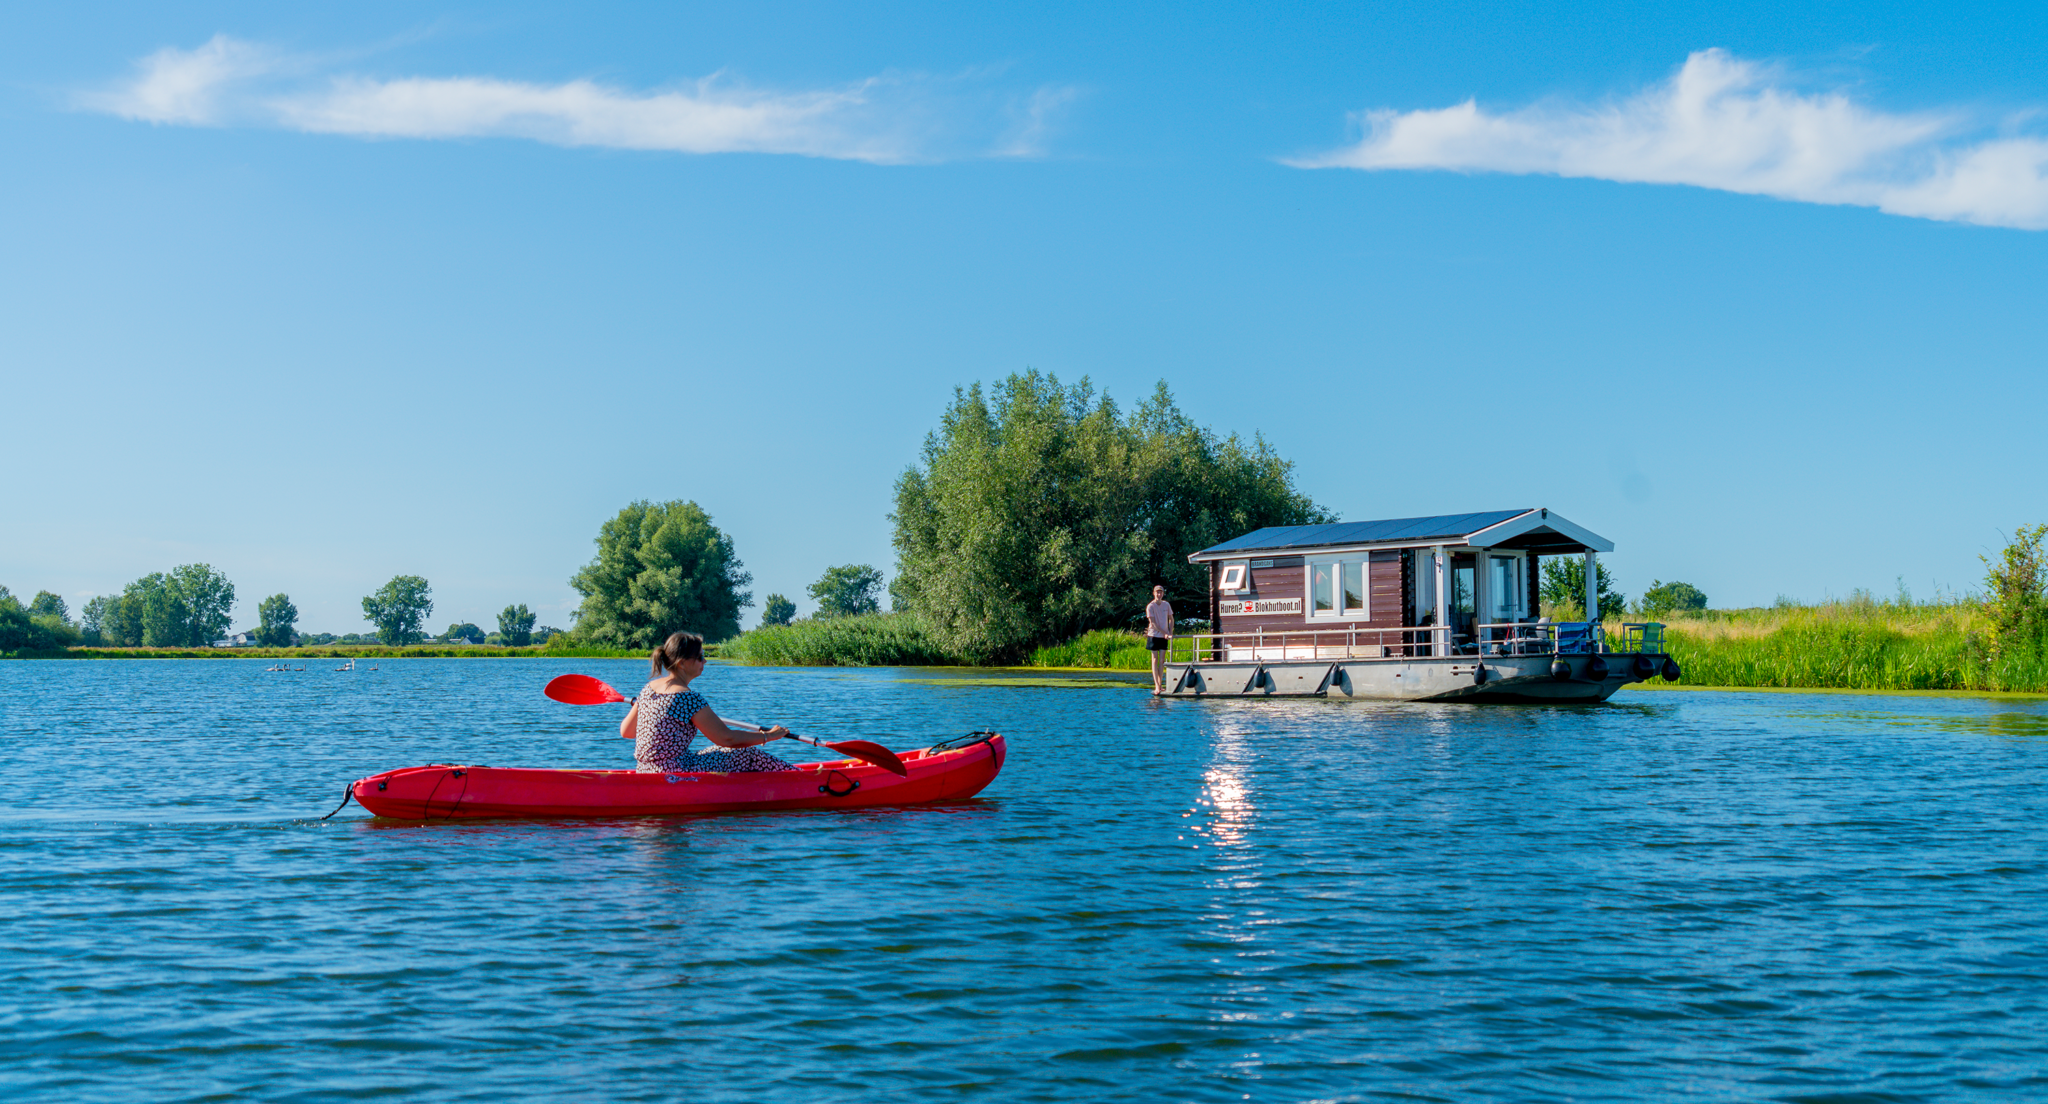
(581, 690)
(584, 690)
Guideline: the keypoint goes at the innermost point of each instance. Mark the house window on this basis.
(1336, 588)
(1233, 578)
(1354, 587)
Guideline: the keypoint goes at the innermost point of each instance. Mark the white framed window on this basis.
(1338, 586)
(1507, 577)
(1235, 578)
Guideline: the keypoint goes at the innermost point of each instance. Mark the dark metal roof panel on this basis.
(1362, 532)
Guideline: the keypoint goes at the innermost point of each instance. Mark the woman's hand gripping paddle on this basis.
(584, 690)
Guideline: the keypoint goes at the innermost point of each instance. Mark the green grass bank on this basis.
(1857, 645)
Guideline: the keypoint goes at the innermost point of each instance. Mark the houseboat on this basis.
(1409, 609)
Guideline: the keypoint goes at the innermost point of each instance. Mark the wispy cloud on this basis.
(891, 118)
(1729, 124)
(184, 86)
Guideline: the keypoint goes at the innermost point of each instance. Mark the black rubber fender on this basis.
(1671, 671)
(1645, 667)
(1596, 669)
(1560, 670)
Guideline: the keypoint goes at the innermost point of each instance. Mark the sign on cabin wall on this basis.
(1262, 605)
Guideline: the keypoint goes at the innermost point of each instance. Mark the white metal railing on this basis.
(1410, 642)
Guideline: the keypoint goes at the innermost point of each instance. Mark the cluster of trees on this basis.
(189, 607)
(841, 592)
(1039, 512)
(1564, 587)
(43, 624)
(185, 607)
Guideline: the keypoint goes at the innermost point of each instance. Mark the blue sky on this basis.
(322, 296)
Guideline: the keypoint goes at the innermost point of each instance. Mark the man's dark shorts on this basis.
(1155, 643)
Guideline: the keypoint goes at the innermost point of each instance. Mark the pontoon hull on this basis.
(1450, 678)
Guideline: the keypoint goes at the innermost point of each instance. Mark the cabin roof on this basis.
(1536, 528)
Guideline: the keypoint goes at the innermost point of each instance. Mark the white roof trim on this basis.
(1328, 550)
(1545, 518)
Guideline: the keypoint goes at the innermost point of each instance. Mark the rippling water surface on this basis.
(1701, 896)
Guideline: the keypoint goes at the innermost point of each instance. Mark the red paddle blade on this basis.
(581, 690)
(870, 752)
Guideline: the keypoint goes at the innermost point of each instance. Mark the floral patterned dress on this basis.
(664, 732)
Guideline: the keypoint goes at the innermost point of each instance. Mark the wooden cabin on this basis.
(1454, 593)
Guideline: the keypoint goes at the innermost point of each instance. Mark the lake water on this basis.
(1687, 896)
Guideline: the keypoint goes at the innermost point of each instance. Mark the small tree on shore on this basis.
(278, 621)
(515, 625)
(1674, 597)
(777, 610)
(1564, 587)
(399, 609)
(848, 590)
(2014, 601)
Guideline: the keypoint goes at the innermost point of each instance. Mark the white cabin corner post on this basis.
(1443, 604)
(1592, 587)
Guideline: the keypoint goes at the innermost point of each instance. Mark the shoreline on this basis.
(1665, 688)
(340, 651)
(967, 674)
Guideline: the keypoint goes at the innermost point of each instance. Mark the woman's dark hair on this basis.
(677, 648)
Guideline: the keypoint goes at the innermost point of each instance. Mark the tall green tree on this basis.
(848, 590)
(660, 568)
(1564, 585)
(47, 604)
(121, 623)
(515, 625)
(777, 610)
(1043, 511)
(399, 609)
(15, 626)
(278, 620)
(93, 618)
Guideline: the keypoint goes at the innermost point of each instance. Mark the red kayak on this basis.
(947, 771)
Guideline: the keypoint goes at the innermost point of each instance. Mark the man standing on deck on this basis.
(1158, 630)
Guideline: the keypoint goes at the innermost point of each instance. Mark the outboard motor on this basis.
(1597, 668)
(1560, 670)
(1645, 667)
(1671, 671)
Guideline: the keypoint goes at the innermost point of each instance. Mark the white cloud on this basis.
(892, 118)
(184, 86)
(1725, 123)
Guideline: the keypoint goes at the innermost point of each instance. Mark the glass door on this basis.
(1504, 589)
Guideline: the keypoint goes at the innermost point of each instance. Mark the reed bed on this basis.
(1107, 649)
(862, 640)
(1853, 645)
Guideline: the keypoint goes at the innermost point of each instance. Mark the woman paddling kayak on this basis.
(668, 715)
